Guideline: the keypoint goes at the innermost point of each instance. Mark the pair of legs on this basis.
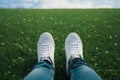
(76, 66)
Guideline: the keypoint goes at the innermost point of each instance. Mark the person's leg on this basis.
(76, 67)
(41, 71)
(44, 69)
(79, 70)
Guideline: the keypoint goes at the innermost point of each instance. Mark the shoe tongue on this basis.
(46, 58)
(75, 56)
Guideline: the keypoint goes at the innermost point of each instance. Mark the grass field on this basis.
(20, 30)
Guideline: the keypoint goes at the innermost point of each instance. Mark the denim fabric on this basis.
(79, 70)
(41, 71)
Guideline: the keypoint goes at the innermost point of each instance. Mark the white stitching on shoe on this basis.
(44, 51)
(74, 48)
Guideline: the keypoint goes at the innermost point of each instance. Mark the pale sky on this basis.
(50, 4)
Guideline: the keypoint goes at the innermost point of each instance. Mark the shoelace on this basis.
(74, 48)
(44, 51)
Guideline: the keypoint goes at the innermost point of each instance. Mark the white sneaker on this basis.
(46, 47)
(73, 47)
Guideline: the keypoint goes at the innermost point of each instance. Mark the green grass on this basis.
(20, 30)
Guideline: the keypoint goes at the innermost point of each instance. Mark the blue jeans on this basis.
(41, 71)
(78, 70)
